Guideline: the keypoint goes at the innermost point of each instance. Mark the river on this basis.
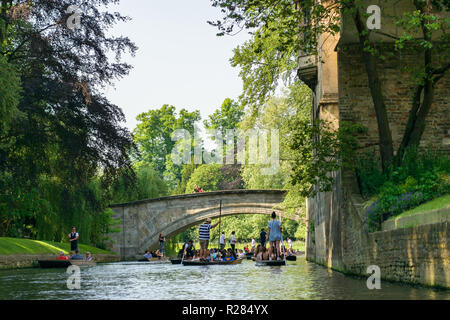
(135, 281)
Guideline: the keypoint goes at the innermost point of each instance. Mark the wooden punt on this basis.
(54, 263)
(83, 263)
(291, 258)
(65, 263)
(249, 255)
(175, 261)
(210, 263)
(161, 260)
(270, 262)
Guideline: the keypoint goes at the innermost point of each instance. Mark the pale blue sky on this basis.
(180, 60)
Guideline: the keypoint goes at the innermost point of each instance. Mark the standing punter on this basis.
(203, 237)
(222, 241)
(274, 236)
(73, 238)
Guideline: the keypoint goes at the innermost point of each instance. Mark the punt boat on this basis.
(291, 258)
(210, 263)
(65, 263)
(175, 261)
(270, 262)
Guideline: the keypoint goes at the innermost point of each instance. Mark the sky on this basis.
(180, 61)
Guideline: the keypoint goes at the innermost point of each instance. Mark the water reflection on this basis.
(297, 280)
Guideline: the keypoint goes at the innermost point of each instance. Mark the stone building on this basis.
(336, 235)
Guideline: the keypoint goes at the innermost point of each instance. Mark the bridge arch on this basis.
(142, 221)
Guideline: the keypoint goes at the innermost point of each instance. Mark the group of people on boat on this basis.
(273, 236)
(214, 254)
(74, 251)
(259, 252)
(75, 255)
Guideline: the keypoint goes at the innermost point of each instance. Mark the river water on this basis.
(135, 281)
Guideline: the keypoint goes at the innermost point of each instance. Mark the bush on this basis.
(421, 177)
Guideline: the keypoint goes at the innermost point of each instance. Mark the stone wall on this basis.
(337, 235)
(13, 261)
(355, 101)
(337, 238)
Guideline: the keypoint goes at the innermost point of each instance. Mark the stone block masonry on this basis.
(337, 238)
(356, 106)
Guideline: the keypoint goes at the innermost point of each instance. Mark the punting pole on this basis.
(220, 220)
(282, 244)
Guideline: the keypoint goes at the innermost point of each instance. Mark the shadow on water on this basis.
(298, 280)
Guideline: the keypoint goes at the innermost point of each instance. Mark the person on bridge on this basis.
(274, 236)
(204, 235)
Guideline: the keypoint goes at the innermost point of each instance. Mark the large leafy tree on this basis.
(66, 133)
(153, 135)
(228, 117)
(284, 28)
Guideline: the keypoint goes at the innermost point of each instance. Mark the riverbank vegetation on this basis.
(65, 154)
(395, 180)
(422, 177)
(27, 246)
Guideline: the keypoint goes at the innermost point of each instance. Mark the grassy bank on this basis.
(11, 246)
(438, 203)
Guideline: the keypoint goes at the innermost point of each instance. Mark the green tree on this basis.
(207, 176)
(227, 117)
(153, 135)
(148, 185)
(284, 29)
(10, 88)
(68, 144)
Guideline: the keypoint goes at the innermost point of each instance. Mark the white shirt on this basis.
(253, 242)
(290, 243)
(222, 239)
(232, 239)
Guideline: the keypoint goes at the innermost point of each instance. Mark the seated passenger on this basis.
(77, 256)
(212, 255)
(88, 256)
(258, 253)
(62, 256)
(265, 253)
(190, 251)
(229, 256)
(147, 254)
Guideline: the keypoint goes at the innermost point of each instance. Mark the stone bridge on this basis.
(142, 221)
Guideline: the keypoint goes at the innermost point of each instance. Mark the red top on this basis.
(62, 258)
